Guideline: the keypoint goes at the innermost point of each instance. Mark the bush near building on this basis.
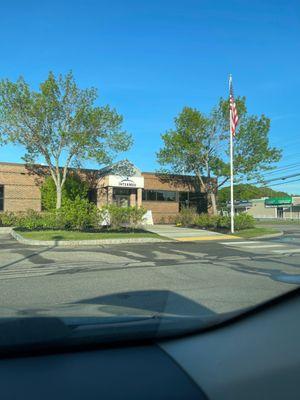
(73, 187)
(122, 216)
(189, 217)
(78, 214)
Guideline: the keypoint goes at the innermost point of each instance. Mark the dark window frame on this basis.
(119, 191)
(1, 197)
(145, 195)
(191, 201)
(92, 195)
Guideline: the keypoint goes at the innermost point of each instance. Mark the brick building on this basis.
(163, 195)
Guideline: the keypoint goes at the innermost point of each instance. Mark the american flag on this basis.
(234, 118)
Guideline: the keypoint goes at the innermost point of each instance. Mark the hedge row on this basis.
(78, 214)
(189, 217)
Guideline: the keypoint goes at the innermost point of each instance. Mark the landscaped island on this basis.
(79, 235)
(79, 220)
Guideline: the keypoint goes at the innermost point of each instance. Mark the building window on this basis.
(123, 191)
(150, 195)
(1, 197)
(159, 195)
(183, 200)
(166, 196)
(193, 200)
(92, 196)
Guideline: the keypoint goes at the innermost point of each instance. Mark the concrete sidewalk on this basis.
(187, 234)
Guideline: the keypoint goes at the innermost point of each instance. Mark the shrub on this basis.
(170, 219)
(30, 220)
(78, 214)
(186, 217)
(202, 220)
(213, 221)
(53, 220)
(121, 216)
(72, 188)
(241, 221)
(8, 218)
(136, 215)
(118, 216)
(244, 221)
(224, 221)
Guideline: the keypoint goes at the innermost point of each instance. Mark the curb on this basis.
(74, 243)
(271, 235)
(5, 229)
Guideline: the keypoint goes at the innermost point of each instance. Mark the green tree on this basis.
(61, 124)
(199, 145)
(73, 188)
(246, 192)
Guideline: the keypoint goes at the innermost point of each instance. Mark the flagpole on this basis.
(231, 169)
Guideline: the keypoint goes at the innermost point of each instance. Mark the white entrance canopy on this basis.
(121, 181)
(123, 174)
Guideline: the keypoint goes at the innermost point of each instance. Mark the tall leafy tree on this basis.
(245, 191)
(61, 124)
(199, 145)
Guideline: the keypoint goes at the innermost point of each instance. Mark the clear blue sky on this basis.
(150, 58)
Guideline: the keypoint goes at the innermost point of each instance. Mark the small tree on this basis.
(199, 145)
(60, 124)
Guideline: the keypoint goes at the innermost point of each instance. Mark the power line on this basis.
(291, 155)
(286, 143)
(283, 168)
(282, 178)
(285, 183)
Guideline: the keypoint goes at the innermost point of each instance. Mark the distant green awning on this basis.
(278, 201)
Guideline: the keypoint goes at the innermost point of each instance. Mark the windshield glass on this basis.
(149, 171)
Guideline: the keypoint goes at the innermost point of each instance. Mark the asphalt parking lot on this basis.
(186, 278)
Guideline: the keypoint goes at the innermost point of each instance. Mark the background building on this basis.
(164, 195)
(287, 207)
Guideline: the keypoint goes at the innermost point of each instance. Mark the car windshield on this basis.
(149, 171)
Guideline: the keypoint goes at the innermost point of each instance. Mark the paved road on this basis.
(180, 277)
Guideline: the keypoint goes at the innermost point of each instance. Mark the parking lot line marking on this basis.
(287, 251)
(262, 246)
(238, 243)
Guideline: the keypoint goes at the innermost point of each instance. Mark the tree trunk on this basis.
(213, 202)
(58, 197)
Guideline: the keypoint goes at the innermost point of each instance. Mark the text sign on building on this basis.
(278, 201)
(128, 182)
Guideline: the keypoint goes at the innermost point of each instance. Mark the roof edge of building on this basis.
(94, 169)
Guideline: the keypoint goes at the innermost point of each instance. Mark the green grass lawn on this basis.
(253, 232)
(278, 222)
(76, 235)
